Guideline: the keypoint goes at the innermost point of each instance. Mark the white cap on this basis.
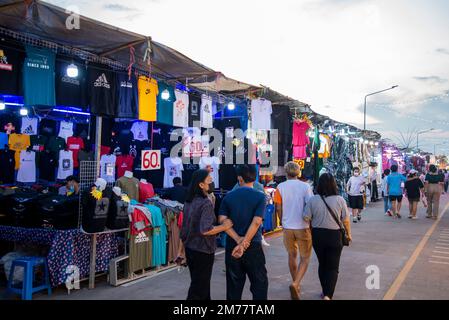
(101, 184)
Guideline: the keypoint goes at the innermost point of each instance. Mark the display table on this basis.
(67, 247)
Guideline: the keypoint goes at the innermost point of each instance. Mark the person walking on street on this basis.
(290, 198)
(355, 188)
(446, 180)
(374, 190)
(413, 190)
(198, 235)
(434, 187)
(321, 211)
(387, 203)
(244, 255)
(395, 182)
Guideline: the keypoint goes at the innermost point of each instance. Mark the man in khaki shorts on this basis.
(291, 197)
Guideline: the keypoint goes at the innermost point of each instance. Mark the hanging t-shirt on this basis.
(194, 110)
(56, 144)
(165, 106)
(29, 125)
(7, 163)
(11, 68)
(27, 170)
(127, 96)
(65, 167)
(17, 143)
(39, 77)
(101, 85)
(172, 168)
(47, 165)
(124, 163)
(261, 114)
(195, 144)
(75, 144)
(71, 91)
(85, 156)
(47, 127)
(148, 91)
(300, 137)
(38, 143)
(140, 130)
(146, 191)
(181, 109)
(3, 140)
(107, 167)
(206, 112)
(66, 130)
(214, 163)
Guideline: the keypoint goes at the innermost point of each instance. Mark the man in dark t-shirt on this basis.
(177, 192)
(414, 188)
(245, 207)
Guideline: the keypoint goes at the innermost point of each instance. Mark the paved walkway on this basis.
(406, 253)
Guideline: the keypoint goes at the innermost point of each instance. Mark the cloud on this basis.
(333, 4)
(434, 79)
(442, 51)
(118, 7)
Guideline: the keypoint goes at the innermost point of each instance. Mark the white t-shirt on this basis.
(206, 112)
(27, 170)
(172, 168)
(294, 195)
(66, 130)
(29, 126)
(261, 114)
(181, 109)
(107, 167)
(356, 185)
(214, 162)
(140, 130)
(65, 167)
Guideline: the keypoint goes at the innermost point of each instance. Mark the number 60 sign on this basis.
(151, 159)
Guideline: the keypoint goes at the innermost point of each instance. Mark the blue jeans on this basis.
(387, 203)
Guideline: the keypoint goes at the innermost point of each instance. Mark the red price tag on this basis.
(151, 159)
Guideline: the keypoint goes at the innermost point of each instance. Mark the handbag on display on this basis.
(344, 233)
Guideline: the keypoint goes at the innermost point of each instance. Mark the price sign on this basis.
(300, 162)
(151, 159)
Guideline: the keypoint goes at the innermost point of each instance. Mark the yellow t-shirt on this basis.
(148, 91)
(17, 143)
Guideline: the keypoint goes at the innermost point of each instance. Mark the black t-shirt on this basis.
(101, 85)
(70, 91)
(47, 127)
(194, 110)
(127, 105)
(413, 188)
(47, 164)
(7, 164)
(177, 193)
(38, 143)
(11, 62)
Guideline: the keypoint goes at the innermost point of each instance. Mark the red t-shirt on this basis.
(299, 133)
(75, 144)
(139, 217)
(124, 163)
(146, 191)
(104, 150)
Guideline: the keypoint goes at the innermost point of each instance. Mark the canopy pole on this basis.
(98, 125)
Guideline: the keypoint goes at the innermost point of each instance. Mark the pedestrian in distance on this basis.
(198, 234)
(395, 183)
(446, 180)
(434, 188)
(387, 203)
(323, 211)
(373, 180)
(414, 188)
(244, 256)
(290, 198)
(355, 189)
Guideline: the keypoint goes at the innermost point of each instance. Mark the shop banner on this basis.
(151, 159)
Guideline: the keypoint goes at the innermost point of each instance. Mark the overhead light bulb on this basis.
(2, 105)
(376, 144)
(72, 71)
(23, 111)
(165, 95)
(371, 143)
(366, 142)
(231, 105)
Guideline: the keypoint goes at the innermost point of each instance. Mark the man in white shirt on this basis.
(355, 188)
(374, 189)
(290, 198)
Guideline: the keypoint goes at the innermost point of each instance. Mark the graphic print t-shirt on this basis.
(107, 167)
(39, 77)
(65, 167)
(181, 109)
(38, 143)
(66, 130)
(172, 168)
(206, 112)
(29, 126)
(11, 61)
(194, 110)
(101, 84)
(27, 170)
(140, 130)
(261, 114)
(214, 162)
(71, 91)
(165, 106)
(148, 91)
(127, 105)
(17, 143)
(75, 144)
(124, 163)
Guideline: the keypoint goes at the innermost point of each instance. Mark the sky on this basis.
(327, 53)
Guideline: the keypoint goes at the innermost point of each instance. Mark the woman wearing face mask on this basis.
(355, 188)
(71, 187)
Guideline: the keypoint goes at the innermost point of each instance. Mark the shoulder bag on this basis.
(344, 234)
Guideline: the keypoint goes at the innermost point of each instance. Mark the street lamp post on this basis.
(417, 137)
(371, 94)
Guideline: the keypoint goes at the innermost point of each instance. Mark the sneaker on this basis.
(410, 217)
(359, 217)
(354, 220)
(414, 218)
(266, 244)
(428, 217)
(389, 213)
(399, 216)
